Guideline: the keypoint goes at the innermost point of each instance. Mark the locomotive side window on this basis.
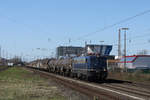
(86, 60)
(98, 62)
(94, 62)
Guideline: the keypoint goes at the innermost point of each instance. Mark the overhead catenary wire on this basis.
(115, 24)
(133, 38)
(112, 25)
(133, 44)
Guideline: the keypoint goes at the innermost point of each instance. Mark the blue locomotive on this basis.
(90, 67)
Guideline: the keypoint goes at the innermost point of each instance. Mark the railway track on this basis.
(141, 85)
(126, 82)
(130, 87)
(104, 91)
(130, 90)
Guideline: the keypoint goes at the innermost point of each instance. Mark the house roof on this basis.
(139, 56)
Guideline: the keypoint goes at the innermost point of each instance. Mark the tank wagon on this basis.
(39, 64)
(61, 66)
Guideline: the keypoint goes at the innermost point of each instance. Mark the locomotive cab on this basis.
(92, 67)
(98, 63)
(98, 67)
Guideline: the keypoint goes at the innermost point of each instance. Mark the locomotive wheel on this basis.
(105, 76)
(72, 75)
(68, 74)
(61, 73)
(88, 78)
(82, 76)
(75, 75)
(78, 75)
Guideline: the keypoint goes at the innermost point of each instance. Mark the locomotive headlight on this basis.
(104, 69)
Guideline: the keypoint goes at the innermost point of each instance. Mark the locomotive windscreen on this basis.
(99, 49)
(97, 62)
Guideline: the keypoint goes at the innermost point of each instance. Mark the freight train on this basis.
(84, 67)
(92, 67)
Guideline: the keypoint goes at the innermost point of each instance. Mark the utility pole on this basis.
(119, 44)
(125, 29)
(69, 41)
(85, 49)
(125, 49)
(101, 42)
(0, 53)
(90, 41)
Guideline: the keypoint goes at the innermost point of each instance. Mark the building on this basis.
(69, 51)
(135, 62)
(112, 64)
(3, 61)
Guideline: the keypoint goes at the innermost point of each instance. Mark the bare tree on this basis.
(143, 52)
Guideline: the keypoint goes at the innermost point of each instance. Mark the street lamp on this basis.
(125, 29)
(101, 42)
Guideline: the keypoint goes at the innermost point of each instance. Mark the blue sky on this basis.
(26, 25)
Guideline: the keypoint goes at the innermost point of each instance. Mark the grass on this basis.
(137, 76)
(19, 84)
